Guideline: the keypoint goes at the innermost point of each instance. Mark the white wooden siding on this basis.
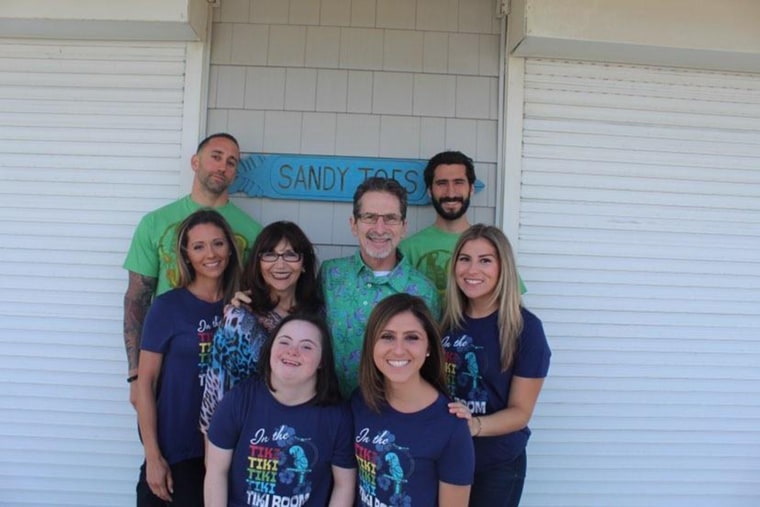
(90, 139)
(640, 244)
(374, 79)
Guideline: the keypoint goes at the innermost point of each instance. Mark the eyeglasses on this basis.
(287, 256)
(372, 218)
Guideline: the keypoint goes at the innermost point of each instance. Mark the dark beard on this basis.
(448, 215)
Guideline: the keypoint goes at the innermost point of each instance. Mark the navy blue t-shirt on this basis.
(282, 455)
(402, 457)
(473, 369)
(180, 327)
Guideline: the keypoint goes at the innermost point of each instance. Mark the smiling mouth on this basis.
(398, 363)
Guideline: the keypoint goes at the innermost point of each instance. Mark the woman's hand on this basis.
(241, 298)
(157, 472)
(159, 478)
(460, 410)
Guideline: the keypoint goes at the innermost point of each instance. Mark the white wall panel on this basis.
(399, 78)
(91, 140)
(639, 238)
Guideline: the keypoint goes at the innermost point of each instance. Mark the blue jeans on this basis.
(500, 485)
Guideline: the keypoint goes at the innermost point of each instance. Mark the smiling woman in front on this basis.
(410, 451)
(284, 438)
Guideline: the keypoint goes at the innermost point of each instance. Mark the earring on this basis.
(427, 355)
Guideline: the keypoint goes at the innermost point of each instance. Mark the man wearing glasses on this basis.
(353, 285)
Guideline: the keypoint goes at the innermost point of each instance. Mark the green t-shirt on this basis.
(429, 250)
(151, 252)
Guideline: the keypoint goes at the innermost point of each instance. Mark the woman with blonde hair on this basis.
(497, 358)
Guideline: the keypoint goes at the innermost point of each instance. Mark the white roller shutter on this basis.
(640, 245)
(90, 139)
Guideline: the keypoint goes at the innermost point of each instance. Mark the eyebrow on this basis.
(292, 339)
(203, 241)
(221, 152)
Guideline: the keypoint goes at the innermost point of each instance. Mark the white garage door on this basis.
(640, 244)
(90, 139)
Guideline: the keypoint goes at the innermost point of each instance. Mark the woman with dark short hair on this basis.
(284, 437)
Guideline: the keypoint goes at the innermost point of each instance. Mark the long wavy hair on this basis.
(506, 295)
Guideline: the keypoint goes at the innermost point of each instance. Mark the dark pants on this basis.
(499, 486)
(188, 486)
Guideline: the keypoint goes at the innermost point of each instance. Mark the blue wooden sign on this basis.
(325, 178)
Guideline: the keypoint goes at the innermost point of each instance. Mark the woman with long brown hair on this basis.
(173, 356)
(409, 449)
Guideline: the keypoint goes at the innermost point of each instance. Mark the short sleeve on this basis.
(157, 328)
(533, 353)
(343, 453)
(224, 430)
(142, 257)
(457, 462)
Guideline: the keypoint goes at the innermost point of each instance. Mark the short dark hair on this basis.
(186, 271)
(380, 184)
(328, 392)
(371, 381)
(308, 294)
(448, 158)
(223, 135)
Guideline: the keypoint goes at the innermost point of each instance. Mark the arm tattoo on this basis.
(136, 302)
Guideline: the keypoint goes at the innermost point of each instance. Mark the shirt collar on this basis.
(397, 278)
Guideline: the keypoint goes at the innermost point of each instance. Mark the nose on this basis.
(381, 225)
(470, 267)
(215, 251)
